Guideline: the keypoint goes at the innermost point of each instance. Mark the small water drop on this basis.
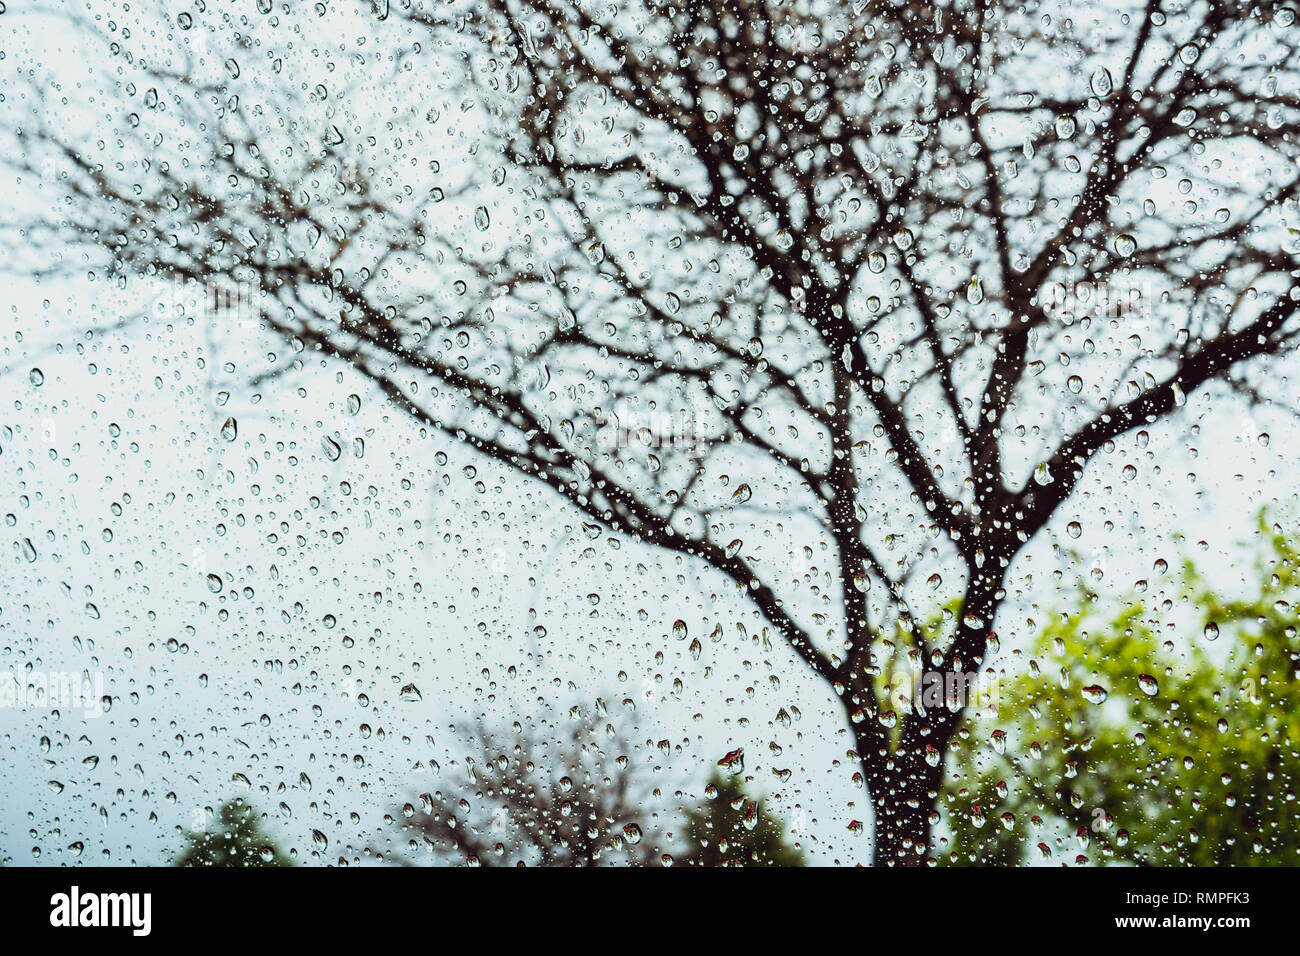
(1095, 694)
(734, 762)
(1101, 82)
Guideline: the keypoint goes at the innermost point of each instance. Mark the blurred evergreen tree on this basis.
(728, 829)
(237, 840)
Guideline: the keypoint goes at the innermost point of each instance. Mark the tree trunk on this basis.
(904, 782)
(904, 791)
(903, 798)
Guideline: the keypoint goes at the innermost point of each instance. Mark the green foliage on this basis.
(1191, 757)
(730, 830)
(236, 840)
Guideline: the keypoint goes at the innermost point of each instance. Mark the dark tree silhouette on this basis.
(719, 274)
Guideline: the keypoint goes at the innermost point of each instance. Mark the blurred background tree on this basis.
(237, 839)
(578, 797)
(568, 798)
(728, 830)
(1163, 735)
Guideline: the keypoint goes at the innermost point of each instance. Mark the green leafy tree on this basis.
(1163, 735)
(728, 830)
(237, 840)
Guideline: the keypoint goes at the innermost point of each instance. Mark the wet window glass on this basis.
(561, 433)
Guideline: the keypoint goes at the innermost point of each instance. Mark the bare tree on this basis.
(578, 797)
(526, 799)
(883, 277)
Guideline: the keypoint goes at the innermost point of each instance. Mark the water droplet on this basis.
(1095, 694)
(229, 429)
(1101, 83)
(734, 762)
